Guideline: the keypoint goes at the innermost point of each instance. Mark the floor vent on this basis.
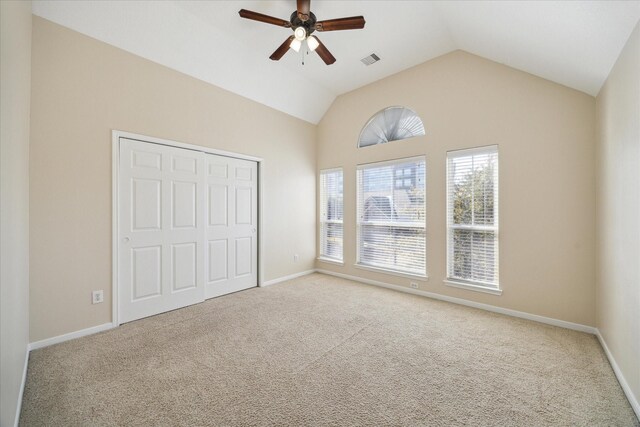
(371, 59)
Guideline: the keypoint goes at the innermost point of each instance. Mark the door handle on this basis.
(253, 230)
(126, 240)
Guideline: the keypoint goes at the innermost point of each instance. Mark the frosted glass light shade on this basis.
(300, 33)
(295, 45)
(312, 42)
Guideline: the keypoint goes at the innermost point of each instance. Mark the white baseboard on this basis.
(488, 307)
(70, 336)
(22, 385)
(621, 379)
(285, 278)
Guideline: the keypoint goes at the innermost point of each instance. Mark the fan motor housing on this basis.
(309, 25)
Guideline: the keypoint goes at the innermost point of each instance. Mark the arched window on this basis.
(391, 124)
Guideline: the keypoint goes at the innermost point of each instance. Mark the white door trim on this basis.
(115, 141)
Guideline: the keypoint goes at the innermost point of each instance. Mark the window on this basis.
(391, 216)
(472, 217)
(331, 214)
(391, 124)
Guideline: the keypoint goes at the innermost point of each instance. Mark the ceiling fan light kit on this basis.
(304, 23)
(313, 43)
(295, 44)
(300, 33)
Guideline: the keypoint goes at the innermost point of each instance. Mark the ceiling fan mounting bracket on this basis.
(309, 25)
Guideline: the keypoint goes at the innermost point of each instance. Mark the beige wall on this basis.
(545, 134)
(15, 87)
(618, 213)
(82, 89)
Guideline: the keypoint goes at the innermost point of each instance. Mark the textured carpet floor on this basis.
(325, 351)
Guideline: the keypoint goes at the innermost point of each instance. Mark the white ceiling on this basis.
(574, 43)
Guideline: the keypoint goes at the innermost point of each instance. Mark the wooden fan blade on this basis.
(284, 47)
(324, 53)
(247, 14)
(303, 9)
(350, 23)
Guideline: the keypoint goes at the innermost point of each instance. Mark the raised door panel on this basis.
(146, 277)
(244, 173)
(218, 204)
(146, 159)
(146, 204)
(243, 257)
(183, 263)
(219, 170)
(187, 165)
(244, 205)
(218, 260)
(184, 204)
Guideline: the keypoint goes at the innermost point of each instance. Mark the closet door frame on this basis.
(116, 135)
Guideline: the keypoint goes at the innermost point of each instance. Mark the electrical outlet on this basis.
(97, 297)
(295, 258)
(414, 285)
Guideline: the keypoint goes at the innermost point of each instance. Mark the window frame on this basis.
(450, 280)
(423, 224)
(321, 207)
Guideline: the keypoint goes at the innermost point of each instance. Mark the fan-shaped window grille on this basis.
(391, 124)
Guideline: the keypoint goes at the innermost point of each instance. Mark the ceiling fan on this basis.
(303, 23)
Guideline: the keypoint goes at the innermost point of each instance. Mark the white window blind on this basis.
(391, 216)
(331, 214)
(472, 216)
(391, 124)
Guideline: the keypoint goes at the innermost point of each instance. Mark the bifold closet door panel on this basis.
(232, 223)
(161, 228)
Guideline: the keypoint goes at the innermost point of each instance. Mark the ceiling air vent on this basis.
(368, 60)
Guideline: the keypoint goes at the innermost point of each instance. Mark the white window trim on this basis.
(331, 260)
(454, 281)
(471, 286)
(391, 161)
(322, 257)
(485, 149)
(423, 226)
(391, 272)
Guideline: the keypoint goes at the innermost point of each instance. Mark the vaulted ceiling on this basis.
(574, 43)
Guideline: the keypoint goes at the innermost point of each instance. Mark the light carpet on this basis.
(319, 350)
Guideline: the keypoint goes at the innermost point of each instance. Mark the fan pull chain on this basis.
(307, 49)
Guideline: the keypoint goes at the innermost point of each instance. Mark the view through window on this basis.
(331, 214)
(472, 216)
(391, 216)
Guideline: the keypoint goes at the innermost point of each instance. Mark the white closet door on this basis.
(161, 229)
(232, 222)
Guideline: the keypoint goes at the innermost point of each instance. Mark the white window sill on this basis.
(330, 260)
(472, 287)
(391, 272)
